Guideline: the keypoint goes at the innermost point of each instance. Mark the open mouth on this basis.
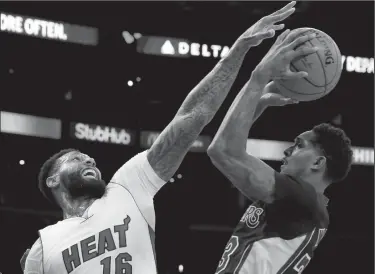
(284, 162)
(89, 173)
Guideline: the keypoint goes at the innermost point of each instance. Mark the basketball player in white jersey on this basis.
(280, 230)
(109, 229)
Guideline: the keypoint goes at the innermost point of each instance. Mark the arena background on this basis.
(122, 72)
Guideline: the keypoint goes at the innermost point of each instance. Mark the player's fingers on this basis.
(278, 27)
(279, 17)
(288, 101)
(285, 8)
(301, 51)
(299, 41)
(264, 35)
(282, 36)
(294, 34)
(295, 75)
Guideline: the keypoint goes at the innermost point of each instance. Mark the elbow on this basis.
(212, 151)
(215, 151)
(220, 154)
(217, 156)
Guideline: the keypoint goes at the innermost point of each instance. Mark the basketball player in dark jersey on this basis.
(280, 230)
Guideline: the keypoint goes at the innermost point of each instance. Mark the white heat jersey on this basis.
(117, 234)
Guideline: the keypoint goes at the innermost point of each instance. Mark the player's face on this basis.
(300, 157)
(79, 176)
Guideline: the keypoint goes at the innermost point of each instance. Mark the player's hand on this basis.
(266, 27)
(276, 63)
(272, 98)
(23, 259)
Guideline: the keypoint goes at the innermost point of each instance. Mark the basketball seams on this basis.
(337, 54)
(329, 83)
(324, 71)
(307, 80)
(325, 77)
(321, 62)
(338, 69)
(296, 92)
(337, 63)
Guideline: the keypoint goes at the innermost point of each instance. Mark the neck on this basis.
(320, 188)
(317, 182)
(74, 207)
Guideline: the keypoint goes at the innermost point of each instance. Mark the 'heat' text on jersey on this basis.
(91, 249)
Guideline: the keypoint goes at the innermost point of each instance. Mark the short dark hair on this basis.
(46, 170)
(337, 147)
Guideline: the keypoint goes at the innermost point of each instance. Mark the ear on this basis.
(53, 181)
(319, 163)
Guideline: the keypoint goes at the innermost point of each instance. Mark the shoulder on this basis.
(36, 251)
(287, 187)
(304, 196)
(138, 171)
(37, 244)
(34, 260)
(130, 166)
(132, 171)
(137, 166)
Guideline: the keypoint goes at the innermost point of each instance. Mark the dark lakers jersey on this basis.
(277, 238)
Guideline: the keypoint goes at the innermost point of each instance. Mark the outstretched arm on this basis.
(254, 178)
(227, 151)
(200, 106)
(197, 110)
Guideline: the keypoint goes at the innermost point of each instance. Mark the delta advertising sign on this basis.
(183, 48)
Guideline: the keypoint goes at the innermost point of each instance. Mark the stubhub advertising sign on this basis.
(102, 134)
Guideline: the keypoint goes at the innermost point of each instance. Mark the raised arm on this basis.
(201, 104)
(254, 178)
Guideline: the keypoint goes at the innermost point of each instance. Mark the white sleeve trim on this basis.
(155, 182)
(34, 260)
(140, 179)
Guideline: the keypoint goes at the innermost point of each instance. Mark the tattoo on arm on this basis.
(169, 149)
(197, 110)
(210, 93)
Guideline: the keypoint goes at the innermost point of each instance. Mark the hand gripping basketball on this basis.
(276, 63)
(272, 98)
(265, 27)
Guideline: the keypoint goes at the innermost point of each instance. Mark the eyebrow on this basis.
(71, 155)
(80, 154)
(74, 154)
(302, 141)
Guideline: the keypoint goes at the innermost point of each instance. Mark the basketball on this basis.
(324, 68)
